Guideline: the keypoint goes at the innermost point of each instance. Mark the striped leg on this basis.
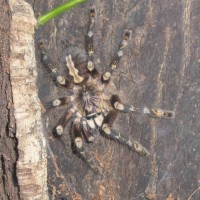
(61, 101)
(106, 76)
(156, 112)
(78, 144)
(86, 131)
(131, 144)
(46, 61)
(89, 45)
(91, 126)
(118, 105)
(59, 129)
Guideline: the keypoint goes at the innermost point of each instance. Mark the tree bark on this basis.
(8, 140)
(23, 155)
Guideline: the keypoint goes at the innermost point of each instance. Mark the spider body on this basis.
(90, 108)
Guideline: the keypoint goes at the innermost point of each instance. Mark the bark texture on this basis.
(31, 147)
(160, 69)
(8, 140)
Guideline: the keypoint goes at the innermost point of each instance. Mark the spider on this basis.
(90, 108)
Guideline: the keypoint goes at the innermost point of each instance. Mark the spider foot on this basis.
(87, 158)
(158, 113)
(137, 147)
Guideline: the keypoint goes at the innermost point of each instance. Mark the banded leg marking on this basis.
(106, 76)
(156, 112)
(118, 105)
(110, 118)
(89, 44)
(46, 61)
(59, 129)
(86, 131)
(78, 142)
(92, 126)
(131, 144)
(61, 101)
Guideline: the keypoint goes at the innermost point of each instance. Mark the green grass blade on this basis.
(42, 19)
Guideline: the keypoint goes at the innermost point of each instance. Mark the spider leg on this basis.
(155, 112)
(59, 129)
(158, 113)
(86, 131)
(62, 101)
(118, 105)
(91, 126)
(106, 76)
(113, 135)
(78, 144)
(89, 45)
(46, 61)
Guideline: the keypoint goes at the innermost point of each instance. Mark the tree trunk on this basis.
(23, 152)
(8, 140)
(161, 69)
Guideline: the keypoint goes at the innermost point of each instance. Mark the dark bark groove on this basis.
(8, 142)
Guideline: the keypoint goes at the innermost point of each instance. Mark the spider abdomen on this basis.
(79, 58)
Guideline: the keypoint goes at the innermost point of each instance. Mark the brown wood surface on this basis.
(8, 140)
(160, 69)
(23, 148)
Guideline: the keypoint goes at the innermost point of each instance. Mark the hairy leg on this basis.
(46, 61)
(62, 101)
(127, 108)
(107, 75)
(77, 142)
(59, 129)
(89, 45)
(87, 131)
(113, 135)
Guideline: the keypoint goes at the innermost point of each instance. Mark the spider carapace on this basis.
(90, 108)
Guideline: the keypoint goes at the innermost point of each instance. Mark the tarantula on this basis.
(90, 108)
